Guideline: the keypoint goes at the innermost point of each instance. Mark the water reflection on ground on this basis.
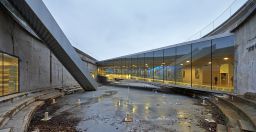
(104, 110)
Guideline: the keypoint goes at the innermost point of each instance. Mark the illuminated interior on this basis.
(201, 65)
(9, 74)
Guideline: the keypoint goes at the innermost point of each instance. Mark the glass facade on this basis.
(159, 66)
(207, 64)
(183, 65)
(149, 66)
(9, 74)
(201, 65)
(169, 65)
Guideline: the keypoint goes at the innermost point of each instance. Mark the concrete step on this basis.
(20, 122)
(12, 96)
(72, 91)
(244, 109)
(43, 93)
(49, 96)
(234, 130)
(6, 130)
(246, 126)
(221, 128)
(9, 109)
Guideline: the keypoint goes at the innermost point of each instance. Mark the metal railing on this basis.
(225, 15)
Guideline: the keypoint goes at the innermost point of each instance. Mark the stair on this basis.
(17, 110)
(70, 90)
(245, 126)
(11, 108)
(13, 96)
(239, 113)
(6, 130)
(49, 96)
(20, 122)
(221, 128)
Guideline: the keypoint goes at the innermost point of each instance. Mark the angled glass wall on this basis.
(169, 65)
(207, 65)
(134, 67)
(223, 64)
(201, 65)
(128, 66)
(158, 66)
(141, 67)
(183, 65)
(149, 66)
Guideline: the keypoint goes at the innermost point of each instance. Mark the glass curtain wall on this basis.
(183, 65)
(134, 67)
(201, 65)
(223, 64)
(158, 66)
(169, 65)
(149, 66)
(128, 66)
(123, 68)
(9, 77)
(141, 66)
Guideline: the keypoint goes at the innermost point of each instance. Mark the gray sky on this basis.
(110, 28)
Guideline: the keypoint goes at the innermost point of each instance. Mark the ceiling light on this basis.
(187, 61)
(181, 64)
(226, 58)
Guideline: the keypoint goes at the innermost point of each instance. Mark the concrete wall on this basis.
(245, 60)
(39, 68)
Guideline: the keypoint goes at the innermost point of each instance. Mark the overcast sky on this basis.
(110, 28)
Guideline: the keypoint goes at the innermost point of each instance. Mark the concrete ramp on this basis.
(38, 17)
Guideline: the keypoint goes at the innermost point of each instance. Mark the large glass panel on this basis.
(128, 66)
(149, 66)
(223, 64)
(123, 69)
(10, 74)
(158, 66)
(169, 65)
(201, 65)
(183, 65)
(1, 74)
(119, 68)
(116, 68)
(134, 67)
(141, 66)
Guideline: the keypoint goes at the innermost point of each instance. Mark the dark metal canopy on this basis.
(44, 25)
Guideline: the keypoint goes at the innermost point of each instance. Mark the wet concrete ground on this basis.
(104, 110)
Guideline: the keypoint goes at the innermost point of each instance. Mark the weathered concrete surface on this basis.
(38, 17)
(105, 109)
(20, 122)
(39, 68)
(245, 71)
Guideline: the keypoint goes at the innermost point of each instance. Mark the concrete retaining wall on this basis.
(245, 71)
(39, 68)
